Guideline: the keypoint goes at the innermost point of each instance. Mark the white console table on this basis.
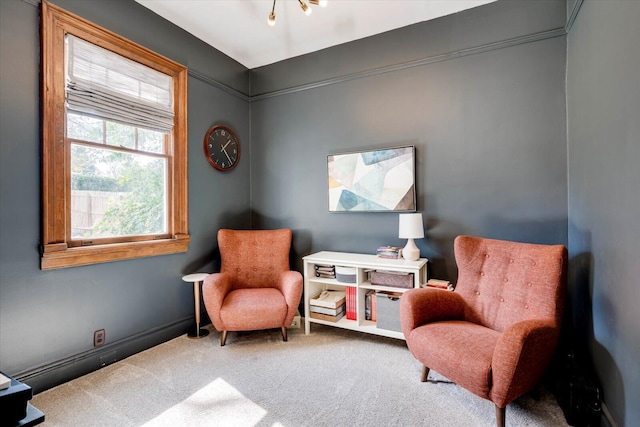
(363, 263)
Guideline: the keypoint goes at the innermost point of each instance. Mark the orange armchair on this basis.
(496, 333)
(255, 288)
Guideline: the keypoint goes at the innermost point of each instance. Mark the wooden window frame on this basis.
(56, 251)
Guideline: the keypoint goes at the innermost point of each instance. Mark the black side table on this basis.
(15, 410)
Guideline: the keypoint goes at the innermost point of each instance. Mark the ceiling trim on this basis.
(206, 79)
(573, 15)
(543, 35)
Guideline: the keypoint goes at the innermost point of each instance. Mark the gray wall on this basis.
(489, 130)
(603, 101)
(47, 318)
(485, 111)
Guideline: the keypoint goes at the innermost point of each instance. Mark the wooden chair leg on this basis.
(223, 338)
(500, 416)
(425, 374)
(284, 333)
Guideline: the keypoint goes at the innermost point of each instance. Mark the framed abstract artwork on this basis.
(373, 181)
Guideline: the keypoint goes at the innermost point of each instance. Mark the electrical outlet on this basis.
(98, 338)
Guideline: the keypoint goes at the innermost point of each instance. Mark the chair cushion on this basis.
(459, 350)
(253, 309)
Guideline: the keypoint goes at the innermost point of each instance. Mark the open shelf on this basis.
(362, 265)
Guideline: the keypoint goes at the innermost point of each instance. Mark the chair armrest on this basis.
(290, 284)
(521, 355)
(420, 306)
(215, 288)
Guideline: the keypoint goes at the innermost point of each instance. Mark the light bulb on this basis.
(272, 19)
(323, 3)
(305, 8)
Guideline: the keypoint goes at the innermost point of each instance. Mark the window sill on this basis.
(58, 255)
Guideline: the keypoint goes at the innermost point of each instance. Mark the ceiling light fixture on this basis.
(304, 6)
(272, 15)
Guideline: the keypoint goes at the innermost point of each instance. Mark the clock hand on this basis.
(226, 154)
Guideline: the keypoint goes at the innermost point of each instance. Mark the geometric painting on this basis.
(372, 181)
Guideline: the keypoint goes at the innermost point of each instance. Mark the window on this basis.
(114, 146)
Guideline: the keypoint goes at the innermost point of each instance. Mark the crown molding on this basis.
(543, 35)
(572, 16)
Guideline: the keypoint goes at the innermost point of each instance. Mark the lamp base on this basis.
(411, 252)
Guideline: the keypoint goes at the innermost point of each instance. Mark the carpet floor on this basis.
(332, 377)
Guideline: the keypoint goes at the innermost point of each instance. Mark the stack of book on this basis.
(325, 271)
(390, 252)
(328, 305)
(440, 284)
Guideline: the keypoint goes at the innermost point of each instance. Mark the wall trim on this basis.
(206, 79)
(573, 15)
(543, 35)
(61, 371)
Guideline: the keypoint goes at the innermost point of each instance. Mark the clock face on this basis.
(222, 148)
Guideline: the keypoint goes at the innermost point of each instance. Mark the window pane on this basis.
(122, 194)
(85, 128)
(121, 135)
(152, 141)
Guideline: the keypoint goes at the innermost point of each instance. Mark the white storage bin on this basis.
(346, 274)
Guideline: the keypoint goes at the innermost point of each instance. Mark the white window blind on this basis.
(103, 84)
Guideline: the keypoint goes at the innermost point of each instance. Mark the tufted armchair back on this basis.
(254, 258)
(496, 334)
(506, 282)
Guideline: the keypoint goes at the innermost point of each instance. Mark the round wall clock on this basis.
(222, 148)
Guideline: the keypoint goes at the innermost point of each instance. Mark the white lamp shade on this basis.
(410, 226)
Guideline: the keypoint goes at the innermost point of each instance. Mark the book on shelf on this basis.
(329, 299)
(370, 305)
(373, 307)
(326, 317)
(325, 271)
(440, 284)
(324, 266)
(351, 302)
(325, 310)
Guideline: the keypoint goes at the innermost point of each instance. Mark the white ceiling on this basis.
(239, 28)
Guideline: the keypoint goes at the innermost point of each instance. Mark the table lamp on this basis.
(410, 227)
